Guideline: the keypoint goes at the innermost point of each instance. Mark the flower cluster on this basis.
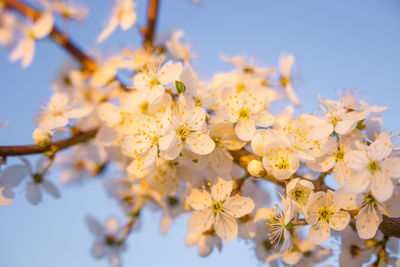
(212, 149)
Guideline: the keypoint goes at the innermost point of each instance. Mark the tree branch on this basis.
(148, 32)
(80, 137)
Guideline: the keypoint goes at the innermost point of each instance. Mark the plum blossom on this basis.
(123, 14)
(246, 109)
(278, 225)
(108, 238)
(150, 83)
(25, 48)
(60, 109)
(376, 168)
(218, 209)
(323, 214)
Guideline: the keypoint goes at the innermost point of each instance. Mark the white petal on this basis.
(391, 167)
(264, 119)
(33, 193)
(245, 129)
(221, 189)
(109, 113)
(339, 220)
(357, 182)
(155, 94)
(199, 199)
(287, 242)
(201, 145)
(345, 126)
(43, 25)
(170, 72)
(6, 196)
(112, 24)
(127, 20)
(321, 131)
(136, 144)
(291, 95)
(98, 250)
(345, 200)
(78, 112)
(53, 122)
(356, 160)
(13, 175)
(205, 245)
(368, 220)
(192, 238)
(94, 226)
(149, 158)
(226, 227)
(381, 147)
(238, 206)
(319, 233)
(51, 189)
(381, 186)
(200, 221)
(107, 135)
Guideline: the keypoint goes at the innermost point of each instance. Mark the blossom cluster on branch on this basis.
(220, 151)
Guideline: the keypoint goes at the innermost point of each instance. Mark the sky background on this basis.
(338, 45)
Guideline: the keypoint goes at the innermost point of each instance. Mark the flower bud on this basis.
(41, 137)
(256, 168)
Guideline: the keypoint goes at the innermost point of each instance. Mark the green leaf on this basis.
(180, 87)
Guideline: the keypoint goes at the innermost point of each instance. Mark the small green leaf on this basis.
(180, 87)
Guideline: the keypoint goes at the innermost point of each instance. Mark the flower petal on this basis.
(368, 220)
(238, 206)
(200, 221)
(226, 227)
(381, 186)
(199, 199)
(319, 233)
(221, 189)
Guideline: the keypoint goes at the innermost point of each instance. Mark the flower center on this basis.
(284, 81)
(155, 140)
(182, 132)
(244, 114)
(374, 166)
(144, 107)
(324, 214)
(298, 193)
(339, 155)
(217, 141)
(369, 199)
(216, 207)
(283, 165)
(154, 82)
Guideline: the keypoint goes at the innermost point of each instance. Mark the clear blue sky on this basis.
(337, 45)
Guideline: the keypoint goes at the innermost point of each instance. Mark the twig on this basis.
(149, 30)
(81, 137)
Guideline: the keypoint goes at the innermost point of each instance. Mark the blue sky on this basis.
(338, 45)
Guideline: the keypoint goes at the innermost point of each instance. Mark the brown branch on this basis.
(149, 31)
(80, 137)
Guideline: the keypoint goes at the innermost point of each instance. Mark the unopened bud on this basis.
(41, 137)
(256, 168)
